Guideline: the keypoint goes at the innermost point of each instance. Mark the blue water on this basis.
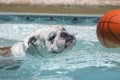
(88, 60)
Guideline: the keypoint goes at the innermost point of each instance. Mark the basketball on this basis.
(108, 29)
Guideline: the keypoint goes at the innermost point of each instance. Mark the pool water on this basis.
(88, 60)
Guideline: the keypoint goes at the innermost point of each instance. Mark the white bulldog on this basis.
(50, 40)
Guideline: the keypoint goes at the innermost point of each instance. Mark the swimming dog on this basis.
(50, 40)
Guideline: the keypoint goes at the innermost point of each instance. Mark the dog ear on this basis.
(32, 40)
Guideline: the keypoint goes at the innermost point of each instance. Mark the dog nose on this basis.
(69, 38)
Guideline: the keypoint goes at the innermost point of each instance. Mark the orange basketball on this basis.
(108, 29)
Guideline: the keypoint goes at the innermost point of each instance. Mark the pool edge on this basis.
(56, 9)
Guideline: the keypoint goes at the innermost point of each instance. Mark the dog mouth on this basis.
(65, 43)
(69, 41)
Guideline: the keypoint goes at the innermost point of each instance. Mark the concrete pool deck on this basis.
(59, 6)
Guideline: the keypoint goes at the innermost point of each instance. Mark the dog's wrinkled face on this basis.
(49, 40)
(59, 40)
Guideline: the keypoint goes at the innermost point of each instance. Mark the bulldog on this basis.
(50, 40)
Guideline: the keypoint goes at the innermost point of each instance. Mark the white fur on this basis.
(21, 48)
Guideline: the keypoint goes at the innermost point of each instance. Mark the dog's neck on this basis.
(5, 51)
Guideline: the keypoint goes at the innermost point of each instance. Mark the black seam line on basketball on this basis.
(108, 22)
(103, 38)
(103, 33)
(110, 29)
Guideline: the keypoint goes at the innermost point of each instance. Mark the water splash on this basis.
(86, 53)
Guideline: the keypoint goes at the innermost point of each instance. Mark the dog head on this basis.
(52, 40)
(59, 40)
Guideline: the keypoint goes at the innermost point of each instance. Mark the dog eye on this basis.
(52, 36)
(63, 34)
